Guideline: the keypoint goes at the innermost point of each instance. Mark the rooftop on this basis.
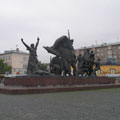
(102, 45)
(14, 51)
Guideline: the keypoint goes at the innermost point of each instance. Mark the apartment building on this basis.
(17, 59)
(108, 53)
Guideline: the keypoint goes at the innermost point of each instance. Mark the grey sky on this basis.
(88, 21)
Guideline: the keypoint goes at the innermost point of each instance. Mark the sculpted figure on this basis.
(87, 56)
(79, 63)
(97, 67)
(33, 61)
(86, 63)
(63, 47)
(91, 62)
(55, 65)
(73, 62)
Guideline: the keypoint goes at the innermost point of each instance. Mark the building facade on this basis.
(108, 53)
(17, 59)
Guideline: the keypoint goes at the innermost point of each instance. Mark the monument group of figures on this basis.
(65, 61)
(87, 65)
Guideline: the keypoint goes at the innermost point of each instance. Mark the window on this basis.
(114, 56)
(109, 47)
(6, 58)
(9, 58)
(105, 53)
(109, 52)
(105, 48)
(24, 66)
(110, 56)
(97, 54)
(101, 54)
(114, 48)
(25, 58)
(114, 52)
(97, 50)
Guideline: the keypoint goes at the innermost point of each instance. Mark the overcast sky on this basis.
(89, 21)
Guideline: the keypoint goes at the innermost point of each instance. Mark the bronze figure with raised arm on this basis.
(33, 61)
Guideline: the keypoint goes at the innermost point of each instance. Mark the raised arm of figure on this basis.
(28, 48)
(37, 43)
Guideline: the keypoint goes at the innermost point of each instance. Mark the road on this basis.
(81, 105)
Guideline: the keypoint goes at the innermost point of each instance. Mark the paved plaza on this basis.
(81, 105)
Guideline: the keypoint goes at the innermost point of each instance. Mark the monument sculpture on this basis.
(64, 59)
(97, 67)
(63, 49)
(33, 61)
(59, 65)
(87, 66)
(55, 65)
(33, 68)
